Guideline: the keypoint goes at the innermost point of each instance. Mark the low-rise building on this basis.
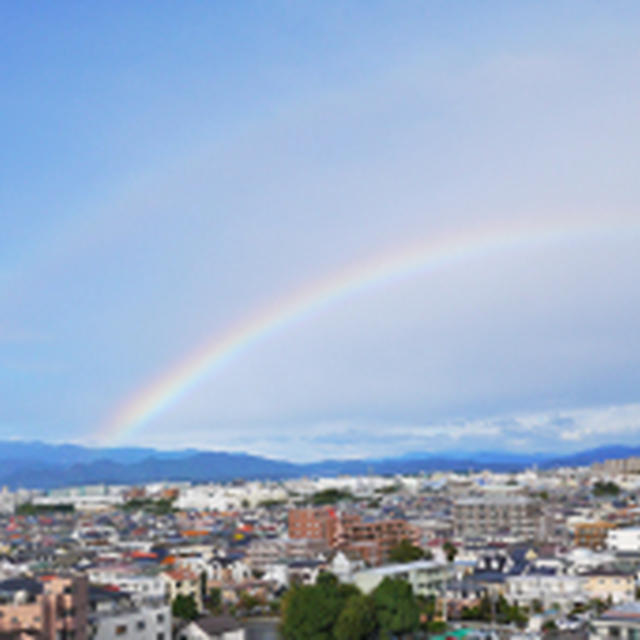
(624, 540)
(619, 622)
(212, 628)
(116, 614)
(184, 582)
(610, 585)
(547, 588)
(426, 577)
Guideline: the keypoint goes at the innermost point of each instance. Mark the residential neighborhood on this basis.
(523, 554)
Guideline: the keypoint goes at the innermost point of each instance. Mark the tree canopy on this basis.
(184, 607)
(332, 611)
(396, 608)
(406, 551)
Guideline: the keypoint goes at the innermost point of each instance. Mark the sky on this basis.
(170, 170)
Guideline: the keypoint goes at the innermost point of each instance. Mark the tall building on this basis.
(374, 540)
(618, 466)
(318, 523)
(371, 540)
(490, 516)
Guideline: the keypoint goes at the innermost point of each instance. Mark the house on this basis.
(230, 568)
(622, 621)
(184, 582)
(343, 565)
(614, 585)
(546, 586)
(212, 628)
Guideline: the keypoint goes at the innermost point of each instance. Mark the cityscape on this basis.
(319, 320)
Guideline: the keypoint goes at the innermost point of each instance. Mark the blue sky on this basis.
(167, 169)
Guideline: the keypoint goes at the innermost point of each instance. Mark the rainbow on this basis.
(435, 253)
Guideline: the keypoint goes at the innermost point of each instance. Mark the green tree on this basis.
(248, 601)
(605, 489)
(214, 601)
(310, 612)
(184, 607)
(450, 550)
(356, 620)
(330, 496)
(396, 608)
(405, 551)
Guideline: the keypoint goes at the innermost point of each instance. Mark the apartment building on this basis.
(319, 523)
(373, 541)
(496, 515)
(621, 466)
(50, 606)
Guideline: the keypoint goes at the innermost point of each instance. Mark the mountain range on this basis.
(46, 466)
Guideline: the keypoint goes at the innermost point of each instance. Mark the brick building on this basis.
(319, 523)
(370, 540)
(374, 540)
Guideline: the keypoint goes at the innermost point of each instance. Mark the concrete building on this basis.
(126, 579)
(621, 466)
(426, 577)
(548, 588)
(494, 515)
(625, 540)
(116, 614)
(51, 607)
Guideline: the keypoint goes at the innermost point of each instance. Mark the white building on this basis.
(212, 628)
(115, 614)
(426, 577)
(624, 540)
(140, 587)
(564, 591)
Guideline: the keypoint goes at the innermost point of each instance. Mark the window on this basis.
(121, 629)
(140, 625)
(160, 618)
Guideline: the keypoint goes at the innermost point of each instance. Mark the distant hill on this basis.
(41, 465)
(590, 456)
